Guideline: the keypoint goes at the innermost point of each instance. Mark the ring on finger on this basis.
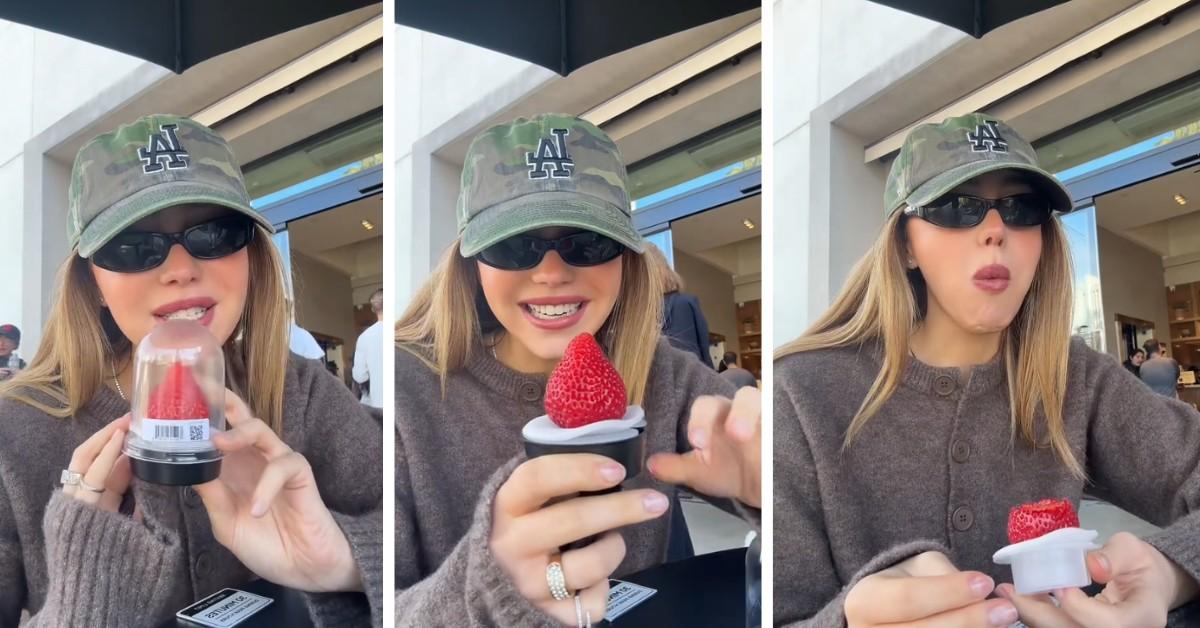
(83, 483)
(557, 581)
(70, 478)
(579, 617)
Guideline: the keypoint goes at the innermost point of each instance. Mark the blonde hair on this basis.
(449, 318)
(82, 342)
(671, 281)
(882, 301)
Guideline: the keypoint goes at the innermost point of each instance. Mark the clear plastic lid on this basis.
(178, 395)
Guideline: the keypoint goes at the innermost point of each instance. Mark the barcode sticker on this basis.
(175, 431)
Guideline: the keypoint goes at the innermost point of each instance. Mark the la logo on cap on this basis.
(551, 160)
(986, 139)
(163, 150)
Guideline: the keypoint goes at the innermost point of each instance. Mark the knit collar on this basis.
(104, 407)
(492, 373)
(932, 379)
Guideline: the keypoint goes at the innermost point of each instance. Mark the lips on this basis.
(993, 278)
(554, 313)
(199, 309)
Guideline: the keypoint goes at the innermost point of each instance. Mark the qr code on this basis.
(195, 432)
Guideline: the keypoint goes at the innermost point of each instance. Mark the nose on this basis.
(992, 230)
(179, 268)
(552, 270)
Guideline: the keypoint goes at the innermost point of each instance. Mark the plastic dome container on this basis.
(1052, 561)
(178, 403)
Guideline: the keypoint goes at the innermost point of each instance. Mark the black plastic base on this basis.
(170, 474)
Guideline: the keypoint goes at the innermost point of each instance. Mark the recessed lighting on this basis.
(749, 224)
(367, 224)
(1181, 199)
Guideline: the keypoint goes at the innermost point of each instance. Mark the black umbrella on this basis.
(973, 17)
(176, 34)
(563, 35)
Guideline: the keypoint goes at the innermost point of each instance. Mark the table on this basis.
(288, 609)
(706, 590)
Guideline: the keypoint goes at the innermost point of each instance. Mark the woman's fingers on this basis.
(708, 414)
(593, 601)
(221, 504)
(588, 566)
(998, 613)
(887, 600)
(745, 414)
(545, 530)
(541, 479)
(252, 433)
(117, 484)
(96, 475)
(85, 453)
(289, 469)
(237, 411)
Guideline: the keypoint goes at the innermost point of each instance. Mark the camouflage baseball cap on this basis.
(936, 158)
(146, 166)
(551, 170)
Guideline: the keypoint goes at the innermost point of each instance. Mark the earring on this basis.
(912, 264)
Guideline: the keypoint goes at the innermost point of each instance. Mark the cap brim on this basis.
(548, 209)
(149, 201)
(954, 177)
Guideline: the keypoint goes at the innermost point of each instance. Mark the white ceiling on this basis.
(337, 237)
(714, 235)
(1147, 213)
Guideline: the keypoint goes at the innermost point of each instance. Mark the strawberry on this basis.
(178, 396)
(1029, 521)
(584, 387)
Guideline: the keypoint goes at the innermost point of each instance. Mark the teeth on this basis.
(188, 314)
(551, 312)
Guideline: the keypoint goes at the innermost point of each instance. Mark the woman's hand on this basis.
(103, 467)
(527, 530)
(1141, 586)
(266, 509)
(926, 591)
(726, 459)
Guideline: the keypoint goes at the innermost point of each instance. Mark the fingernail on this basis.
(981, 585)
(1104, 562)
(1002, 615)
(258, 509)
(612, 472)
(1003, 591)
(699, 438)
(655, 502)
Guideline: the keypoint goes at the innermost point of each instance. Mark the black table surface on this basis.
(706, 590)
(288, 609)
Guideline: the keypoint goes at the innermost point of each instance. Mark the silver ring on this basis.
(557, 581)
(83, 484)
(588, 616)
(579, 617)
(70, 478)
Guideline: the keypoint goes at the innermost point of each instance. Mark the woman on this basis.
(547, 250)
(938, 392)
(161, 228)
(684, 325)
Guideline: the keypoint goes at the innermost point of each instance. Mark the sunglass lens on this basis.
(219, 238)
(515, 253)
(588, 249)
(132, 252)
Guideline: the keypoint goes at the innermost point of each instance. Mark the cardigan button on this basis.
(204, 564)
(960, 451)
(191, 498)
(962, 519)
(530, 391)
(944, 385)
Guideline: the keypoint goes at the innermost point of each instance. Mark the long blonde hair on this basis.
(82, 345)
(448, 319)
(884, 302)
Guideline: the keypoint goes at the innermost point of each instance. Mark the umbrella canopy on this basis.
(563, 35)
(974, 17)
(176, 34)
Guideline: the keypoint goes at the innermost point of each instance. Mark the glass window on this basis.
(328, 156)
(1087, 320)
(1170, 116)
(724, 152)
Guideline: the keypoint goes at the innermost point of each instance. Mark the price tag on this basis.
(225, 608)
(623, 596)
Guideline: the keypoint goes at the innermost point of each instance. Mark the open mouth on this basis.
(187, 314)
(198, 309)
(552, 312)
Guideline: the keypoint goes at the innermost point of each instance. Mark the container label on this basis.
(175, 431)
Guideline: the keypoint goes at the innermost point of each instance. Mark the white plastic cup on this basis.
(1052, 561)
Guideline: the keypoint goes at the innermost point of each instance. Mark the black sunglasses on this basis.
(136, 251)
(960, 211)
(522, 252)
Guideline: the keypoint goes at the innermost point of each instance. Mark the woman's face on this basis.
(964, 269)
(212, 292)
(544, 307)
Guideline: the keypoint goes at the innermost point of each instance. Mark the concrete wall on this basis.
(46, 76)
(1131, 284)
(825, 47)
(714, 289)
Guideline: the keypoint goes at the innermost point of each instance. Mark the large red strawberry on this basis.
(178, 396)
(1029, 521)
(584, 387)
